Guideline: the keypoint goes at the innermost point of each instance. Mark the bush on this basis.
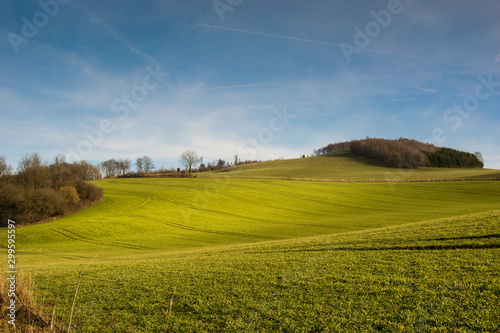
(70, 195)
(39, 191)
(11, 197)
(41, 204)
(88, 191)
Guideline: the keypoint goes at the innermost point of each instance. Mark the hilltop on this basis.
(406, 154)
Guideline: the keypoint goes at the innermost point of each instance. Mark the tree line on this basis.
(451, 158)
(405, 153)
(122, 167)
(39, 191)
(190, 160)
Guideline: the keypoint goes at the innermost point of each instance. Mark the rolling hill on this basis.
(150, 215)
(438, 275)
(229, 254)
(346, 167)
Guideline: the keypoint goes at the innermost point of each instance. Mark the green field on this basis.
(151, 215)
(267, 255)
(346, 166)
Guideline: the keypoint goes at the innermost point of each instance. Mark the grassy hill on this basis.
(346, 166)
(151, 215)
(434, 276)
(231, 255)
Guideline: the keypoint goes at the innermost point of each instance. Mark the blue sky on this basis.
(261, 79)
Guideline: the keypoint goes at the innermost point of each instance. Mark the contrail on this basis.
(339, 45)
(269, 35)
(404, 99)
(233, 86)
(294, 38)
(497, 59)
(108, 29)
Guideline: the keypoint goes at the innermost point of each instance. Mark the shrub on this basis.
(40, 204)
(39, 190)
(88, 191)
(70, 195)
(10, 198)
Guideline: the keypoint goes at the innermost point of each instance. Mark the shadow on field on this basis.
(465, 237)
(395, 248)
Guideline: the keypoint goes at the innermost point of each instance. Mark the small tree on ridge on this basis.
(190, 159)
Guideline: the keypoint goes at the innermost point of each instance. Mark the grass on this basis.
(434, 276)
(156, 215)
(346, 166)
(268, 255)
(28, 314)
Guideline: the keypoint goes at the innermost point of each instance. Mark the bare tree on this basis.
(110, 167)
(190, 159)
(144, 164)
(59, 170)
(83, 170)
(123, 166)
(59, 159)
(139, 163)
(148, 164)
(5, 169)
(32, 171)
